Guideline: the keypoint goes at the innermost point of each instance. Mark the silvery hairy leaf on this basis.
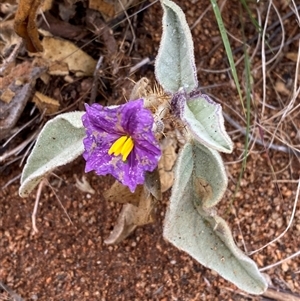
(59, 142)
(204, 119)
(175, 64)
(191, 223)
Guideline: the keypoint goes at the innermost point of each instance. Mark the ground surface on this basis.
(67, 260)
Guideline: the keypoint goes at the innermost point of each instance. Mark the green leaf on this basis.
(205, 120)
(192, 225)
(59, 142)
(175, 63)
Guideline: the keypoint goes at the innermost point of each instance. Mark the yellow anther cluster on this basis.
(122, 146)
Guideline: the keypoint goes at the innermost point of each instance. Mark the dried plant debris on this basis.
(84, 185)
(25, 24)
(59, 57)
(132, 216)
(45, 104)
(17, 89)
(167, 162)
(140, 88)
(139, 206)
(8, 9)
(67, 9)
(293, 56)
(61, 50)
(282, 88)
(121, 194)
(58, 68)
(61, 28)
(8, 37)
(153, 185)
(110, 9)
(102, 30)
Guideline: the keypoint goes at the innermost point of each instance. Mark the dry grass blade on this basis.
(270, 122)
(284, 232)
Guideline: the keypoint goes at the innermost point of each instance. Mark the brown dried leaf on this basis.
(131, 217)
(139, 209)
(281, 88)
(20, 71)
(7, 95)
(58, 69)
(293, 56)
(78, 61)
(121, 194)
(25, 24)
(107, 10)
(110, 9)
(45, 104)
(144, 213)
(124, 226)
(152, 183)
(59, 28)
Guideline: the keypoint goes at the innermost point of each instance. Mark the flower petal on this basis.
(104, 126)
(102, 119)
(98, 160)
(136, 119)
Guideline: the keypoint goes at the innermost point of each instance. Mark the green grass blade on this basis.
(248, 87)
(227, 48)
(253, 20)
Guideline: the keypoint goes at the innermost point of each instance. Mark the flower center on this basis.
(122, 146)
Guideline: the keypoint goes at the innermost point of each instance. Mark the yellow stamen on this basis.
(123, 146)
(127, 148)
(116, 148)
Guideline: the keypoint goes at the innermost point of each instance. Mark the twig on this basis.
(200, 17)
(11, 181)
(139, 65)
(269, 293)
(37, 199)
(19, 130)
(95, 81)
(281, 148)
(297, 72)
(130, 25)
(280, 296)
(17, 149)
(263, 59)
(283, 233)
(282, 44)
(58, 199)
(12, 56)
(279, 262)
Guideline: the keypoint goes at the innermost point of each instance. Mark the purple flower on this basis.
(120, 142)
